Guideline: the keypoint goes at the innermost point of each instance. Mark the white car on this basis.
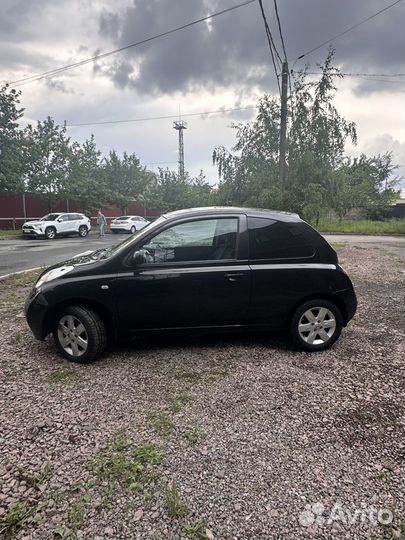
(129, 224)
(58, 223)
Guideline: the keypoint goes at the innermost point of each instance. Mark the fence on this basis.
(15, 209)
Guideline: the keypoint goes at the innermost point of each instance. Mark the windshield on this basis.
(50, 217)
(106, 253)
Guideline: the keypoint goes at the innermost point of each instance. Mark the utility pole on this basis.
(283, 125)
(180, 125)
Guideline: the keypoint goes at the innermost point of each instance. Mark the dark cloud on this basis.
(20, 20)
(232, 49)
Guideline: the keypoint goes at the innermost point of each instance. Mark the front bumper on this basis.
(32, 232)
(36, 309)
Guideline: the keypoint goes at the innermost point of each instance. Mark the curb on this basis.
(19, 272)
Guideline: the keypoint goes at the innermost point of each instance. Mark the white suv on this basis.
(129, 224)
(58, 223)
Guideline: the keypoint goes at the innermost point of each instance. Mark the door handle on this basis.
(234, 276)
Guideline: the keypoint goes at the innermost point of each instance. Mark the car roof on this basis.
(251, 212)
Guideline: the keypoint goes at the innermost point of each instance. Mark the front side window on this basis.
(200, 240)
(50, 217)
(271, 239)
(65, 217)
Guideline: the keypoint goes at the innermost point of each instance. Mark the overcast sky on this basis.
(223, 63)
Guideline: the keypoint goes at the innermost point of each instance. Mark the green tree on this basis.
(126, 179)
(48, 166)
(86, 181)
(11, 141)
(249, 175)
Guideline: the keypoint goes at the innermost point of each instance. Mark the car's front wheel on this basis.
(83, 231)
(133, 229)
(316, 325)
(50, 233)
(80, 334)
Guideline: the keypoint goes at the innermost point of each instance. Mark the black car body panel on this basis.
(239, 288)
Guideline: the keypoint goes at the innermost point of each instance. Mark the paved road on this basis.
(17, 255)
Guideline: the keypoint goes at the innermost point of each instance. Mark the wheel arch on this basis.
(106, 316)
(321, 296)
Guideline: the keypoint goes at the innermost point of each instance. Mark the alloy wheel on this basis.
(72, 335)
(317, 325)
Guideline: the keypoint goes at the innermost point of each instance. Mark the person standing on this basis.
(101, 222)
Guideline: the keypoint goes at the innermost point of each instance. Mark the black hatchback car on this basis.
(204, 268)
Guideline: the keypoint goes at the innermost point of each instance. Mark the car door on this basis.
(74, 222)
(63, 224)
(190, 274)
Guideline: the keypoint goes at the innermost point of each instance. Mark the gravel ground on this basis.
(217, 437)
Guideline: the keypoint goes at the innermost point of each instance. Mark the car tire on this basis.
(133, 229)
(114, 232)
(50, 233)
(80, 334)
(83, 231)
(316, 325)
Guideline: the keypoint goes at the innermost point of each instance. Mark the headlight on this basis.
(53, 274)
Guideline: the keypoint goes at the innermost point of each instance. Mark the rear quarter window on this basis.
(272, 239)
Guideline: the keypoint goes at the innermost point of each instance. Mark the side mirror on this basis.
(60, 220)
(138, 258)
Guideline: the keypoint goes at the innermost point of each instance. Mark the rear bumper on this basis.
(349, 299)
(118, 229)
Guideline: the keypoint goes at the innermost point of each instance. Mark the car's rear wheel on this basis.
(316, 325)
(83, 231)
(133, 229)
(80, 334)
(50, 233)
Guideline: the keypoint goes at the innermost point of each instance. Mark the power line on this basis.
(272, 47)
(285, 58)
(347, 30)
(364, 76)
(361, 74)
(67, 67)
(146, 119)
(279, 29)
(381, 80)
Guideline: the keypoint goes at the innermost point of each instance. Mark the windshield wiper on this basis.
(102, 253)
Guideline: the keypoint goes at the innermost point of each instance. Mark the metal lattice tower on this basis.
(180, 125)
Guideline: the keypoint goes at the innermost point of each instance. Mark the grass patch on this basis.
(161, 422)
(385, 475)
(175, 506)
(64, 533)
(122, 466)
(196, 529)
(62, 377)
(18, 517)
(216, 375)
(195, 435)
(35, 480)
(25, 279)
(192, 377)
(10, 233)
(337, 246)
(365, 226)
(180, 401)
(123, 469)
